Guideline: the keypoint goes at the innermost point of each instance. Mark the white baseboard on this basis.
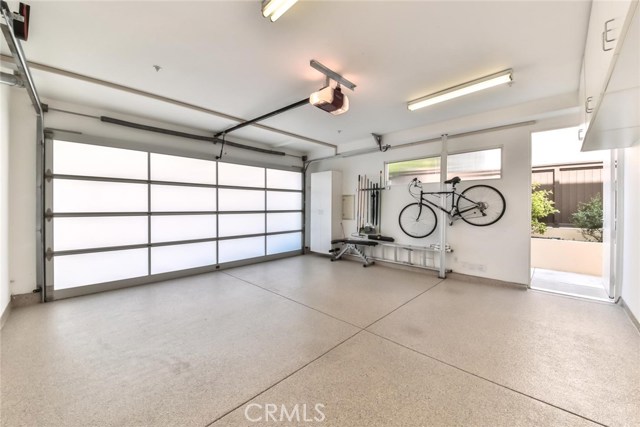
(633, 319)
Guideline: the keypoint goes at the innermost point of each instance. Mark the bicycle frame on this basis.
(453, 213)
(479, 205)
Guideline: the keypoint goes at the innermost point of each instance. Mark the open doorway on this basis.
(567, 251)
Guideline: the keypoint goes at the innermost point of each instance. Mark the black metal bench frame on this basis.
(350, 246)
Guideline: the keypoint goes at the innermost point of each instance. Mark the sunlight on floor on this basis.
(563, 282)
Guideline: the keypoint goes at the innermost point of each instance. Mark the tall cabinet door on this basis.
(325, 210)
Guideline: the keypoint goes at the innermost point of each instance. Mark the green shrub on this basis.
(541, 207)
(588, 218)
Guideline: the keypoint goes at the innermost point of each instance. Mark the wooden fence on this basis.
(571, 185)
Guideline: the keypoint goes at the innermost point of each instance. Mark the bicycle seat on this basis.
(455, 180)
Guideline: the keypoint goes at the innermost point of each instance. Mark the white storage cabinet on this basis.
(325, 210)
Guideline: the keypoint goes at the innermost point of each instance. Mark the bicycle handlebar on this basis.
(415, 182)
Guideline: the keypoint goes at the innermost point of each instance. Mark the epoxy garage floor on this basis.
(372, 347)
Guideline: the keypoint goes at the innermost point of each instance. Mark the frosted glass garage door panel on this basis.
(172, 228)
(98, 232)
(182, 169)
(70, 271)
(238, 225)
(240, 200)
(176, 198)
(284, 243)
(96, 196)
(286, 180)
(238, 249)
(182, 257)
(70, 158)
(240, 175)
(283, 201)
(284, 222)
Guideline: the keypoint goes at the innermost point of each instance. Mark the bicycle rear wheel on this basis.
(417, 220)
(481, 205)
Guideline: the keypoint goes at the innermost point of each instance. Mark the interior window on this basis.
(426, 170)
(483, 164)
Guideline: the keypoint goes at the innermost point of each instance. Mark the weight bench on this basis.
(350, 246)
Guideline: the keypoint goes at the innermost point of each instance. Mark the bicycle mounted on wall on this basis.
(478, 205)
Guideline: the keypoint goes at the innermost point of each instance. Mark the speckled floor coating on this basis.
(373, 347)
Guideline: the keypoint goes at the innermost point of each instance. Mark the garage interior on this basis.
(176, 180)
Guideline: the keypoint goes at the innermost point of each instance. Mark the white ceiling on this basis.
(226, 57)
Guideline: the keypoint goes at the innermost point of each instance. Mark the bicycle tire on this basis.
(416, 227)
(490, 205)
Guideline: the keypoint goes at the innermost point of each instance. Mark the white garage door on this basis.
(118, 217)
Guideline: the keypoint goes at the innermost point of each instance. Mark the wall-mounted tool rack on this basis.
(369, 204)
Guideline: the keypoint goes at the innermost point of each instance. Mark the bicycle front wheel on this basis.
(417, 220)
(481, 205)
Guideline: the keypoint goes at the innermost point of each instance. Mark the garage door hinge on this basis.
(48, 175)
(49, 254)
(48, 215)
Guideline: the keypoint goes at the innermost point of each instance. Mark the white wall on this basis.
(500, 251)
(551, 254)
(22, 194)
(22, 244)
(93, 127)
(371, 165)
(631, 243)
(5, 293)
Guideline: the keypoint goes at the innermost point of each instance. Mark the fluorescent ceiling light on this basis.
(463, 89)
(274, 9)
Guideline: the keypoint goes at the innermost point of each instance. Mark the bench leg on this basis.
(351, 248)
(344, 250)
(365, 260)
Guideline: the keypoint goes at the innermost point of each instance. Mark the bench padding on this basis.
(355, 242)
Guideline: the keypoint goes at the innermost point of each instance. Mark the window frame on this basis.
(448, 154)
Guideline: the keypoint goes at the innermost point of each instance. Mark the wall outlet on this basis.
(473, 267)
